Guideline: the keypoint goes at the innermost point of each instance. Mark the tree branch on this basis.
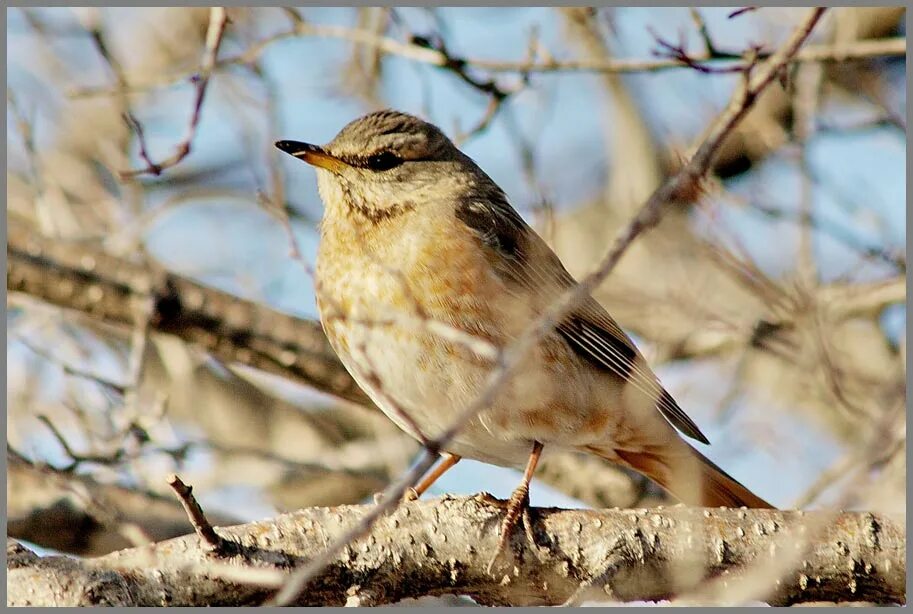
(218, 20)
(860, 50)
(417, 51)
(443, 546)
(79, 276)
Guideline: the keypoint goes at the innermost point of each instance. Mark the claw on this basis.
(517, 508)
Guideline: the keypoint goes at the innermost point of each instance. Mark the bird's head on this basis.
(386, 163)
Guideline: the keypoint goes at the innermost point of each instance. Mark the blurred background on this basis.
(773, 307)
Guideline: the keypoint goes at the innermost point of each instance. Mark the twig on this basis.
(459, 67)
(195, 513)
(134, 124)
(679, 187)
(832, 230)
(741, 11)
(495, 103)
(860, 50)
(218, 19)
(701, 25)
(679, 54)
(144, 307)
(76, 458)
(69, 369)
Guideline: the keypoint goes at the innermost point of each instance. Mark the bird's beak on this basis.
(313, 155)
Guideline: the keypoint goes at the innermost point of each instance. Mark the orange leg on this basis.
(449, 461)
(518, 504)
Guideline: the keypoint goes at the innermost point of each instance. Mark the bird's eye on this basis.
(384, 161)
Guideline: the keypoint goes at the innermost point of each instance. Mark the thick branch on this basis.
(82, 277)
(443, 546)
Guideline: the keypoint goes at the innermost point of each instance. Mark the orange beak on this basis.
(313, 155)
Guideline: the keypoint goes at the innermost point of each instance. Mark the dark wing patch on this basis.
(605, 351)
(499, 227)
(589, 330)
(598, 338)
(496, 231)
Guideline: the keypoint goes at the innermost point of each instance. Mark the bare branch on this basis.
(218, 19)
(742, 11)
(860, 50)
(443, 546)
(195, 513)
(428, 54)
(75, 275)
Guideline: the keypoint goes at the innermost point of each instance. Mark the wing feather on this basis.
(589, 330)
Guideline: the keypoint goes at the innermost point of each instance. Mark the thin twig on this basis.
(218, 19)
(741, 11)
(195, 513)
(805, 105)
(701, 25)
(69, 369)
(860, 50)
(77, 459)
(495, 103)
(391, 498)
(678, 53)
(134, 124)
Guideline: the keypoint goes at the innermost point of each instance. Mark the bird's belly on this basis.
(424, 384)
(377, 323)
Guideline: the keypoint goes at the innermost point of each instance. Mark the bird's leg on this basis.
(449, 461)
(518, 506)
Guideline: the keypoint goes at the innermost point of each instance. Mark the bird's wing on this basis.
(588, 329)
(592, 332)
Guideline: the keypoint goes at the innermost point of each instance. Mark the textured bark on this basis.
(443, 546)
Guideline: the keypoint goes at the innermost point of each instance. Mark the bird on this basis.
(415, 233)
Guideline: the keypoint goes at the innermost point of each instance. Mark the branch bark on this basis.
(443, 546)
(79, 276)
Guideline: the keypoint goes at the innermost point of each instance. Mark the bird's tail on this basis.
(690, 476)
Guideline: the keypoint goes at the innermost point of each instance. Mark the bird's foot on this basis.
(517, 509)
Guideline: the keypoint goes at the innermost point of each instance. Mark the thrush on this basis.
(414, 232)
